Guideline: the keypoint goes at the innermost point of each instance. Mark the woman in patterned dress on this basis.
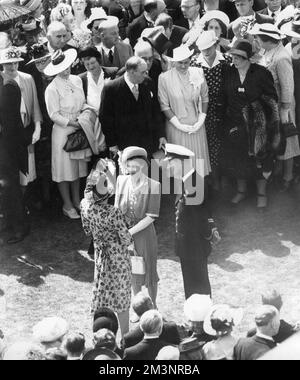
(106, 225)
(213, 63)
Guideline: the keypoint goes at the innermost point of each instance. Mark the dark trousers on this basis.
(195, 276)
(11, 193)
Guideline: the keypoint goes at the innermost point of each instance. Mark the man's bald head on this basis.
(145, 51)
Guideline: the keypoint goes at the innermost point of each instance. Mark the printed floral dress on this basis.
(214, 77)
(112, 279)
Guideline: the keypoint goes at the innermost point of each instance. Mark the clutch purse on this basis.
(289, 130)
(137, 264)
(76, 141)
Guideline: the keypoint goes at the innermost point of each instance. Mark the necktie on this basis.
(273, 15)
(111, 56)
(135, 91)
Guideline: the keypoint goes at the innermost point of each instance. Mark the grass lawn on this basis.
(257, 252)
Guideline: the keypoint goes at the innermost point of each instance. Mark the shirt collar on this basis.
(107, 50)
(263, 336)
(196, 22)
(100, 80)
(128, 82)
(276, 12)
(218, 59)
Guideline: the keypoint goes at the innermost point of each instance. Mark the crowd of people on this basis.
(209, 332)
(116, 96)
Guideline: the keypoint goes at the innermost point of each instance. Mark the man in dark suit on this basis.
(267, 324)
(245, 11)
(195, 229)
(286, 330)
(173, 32)
(145, 20)
(114, 53)
(129, 111)
(13, 160)
(151, 325)
(273, 8)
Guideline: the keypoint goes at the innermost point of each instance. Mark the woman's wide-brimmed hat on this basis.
(292, 27)
(224, 316)
(10, 55)
(216, 15)
(206, 40)
(242, 48)
(60, 61)
(269, 30)
(181, 53)
(31, 4)
(38, 53)
(157, 39)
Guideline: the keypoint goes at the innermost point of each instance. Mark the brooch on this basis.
(241, 89)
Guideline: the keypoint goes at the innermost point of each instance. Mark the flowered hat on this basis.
(10, 55)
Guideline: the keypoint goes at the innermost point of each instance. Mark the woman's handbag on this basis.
(137, 264)
(289, 129)
(76, 141)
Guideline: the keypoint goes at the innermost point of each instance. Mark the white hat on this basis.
(207, 39)
(196, 307)
(96, 14)
(181, 53)
(60, 61)
(229, 315)
(50, 329)
(216, 15)
(10, 55)
(178, 150)
(267, 30)
(291, 29)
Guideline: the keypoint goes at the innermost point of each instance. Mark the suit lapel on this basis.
(117, 56)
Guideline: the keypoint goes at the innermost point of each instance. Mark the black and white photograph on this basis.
(149, 182)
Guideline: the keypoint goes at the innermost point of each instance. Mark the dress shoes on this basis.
(71, 214)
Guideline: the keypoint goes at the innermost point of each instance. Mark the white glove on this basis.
(200, 123)
(181, 127)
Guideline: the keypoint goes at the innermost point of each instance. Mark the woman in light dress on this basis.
(64, 100)
(183, 96)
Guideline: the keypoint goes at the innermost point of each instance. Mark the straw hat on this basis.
(216, 15)
(60, 61)
(227, 316)
(181, 53)
(266, 30)
(207, 39)
(10, 55)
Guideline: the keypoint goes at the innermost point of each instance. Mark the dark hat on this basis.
(37, 52)
(158, 41)
(100, 354)
(242, 48)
